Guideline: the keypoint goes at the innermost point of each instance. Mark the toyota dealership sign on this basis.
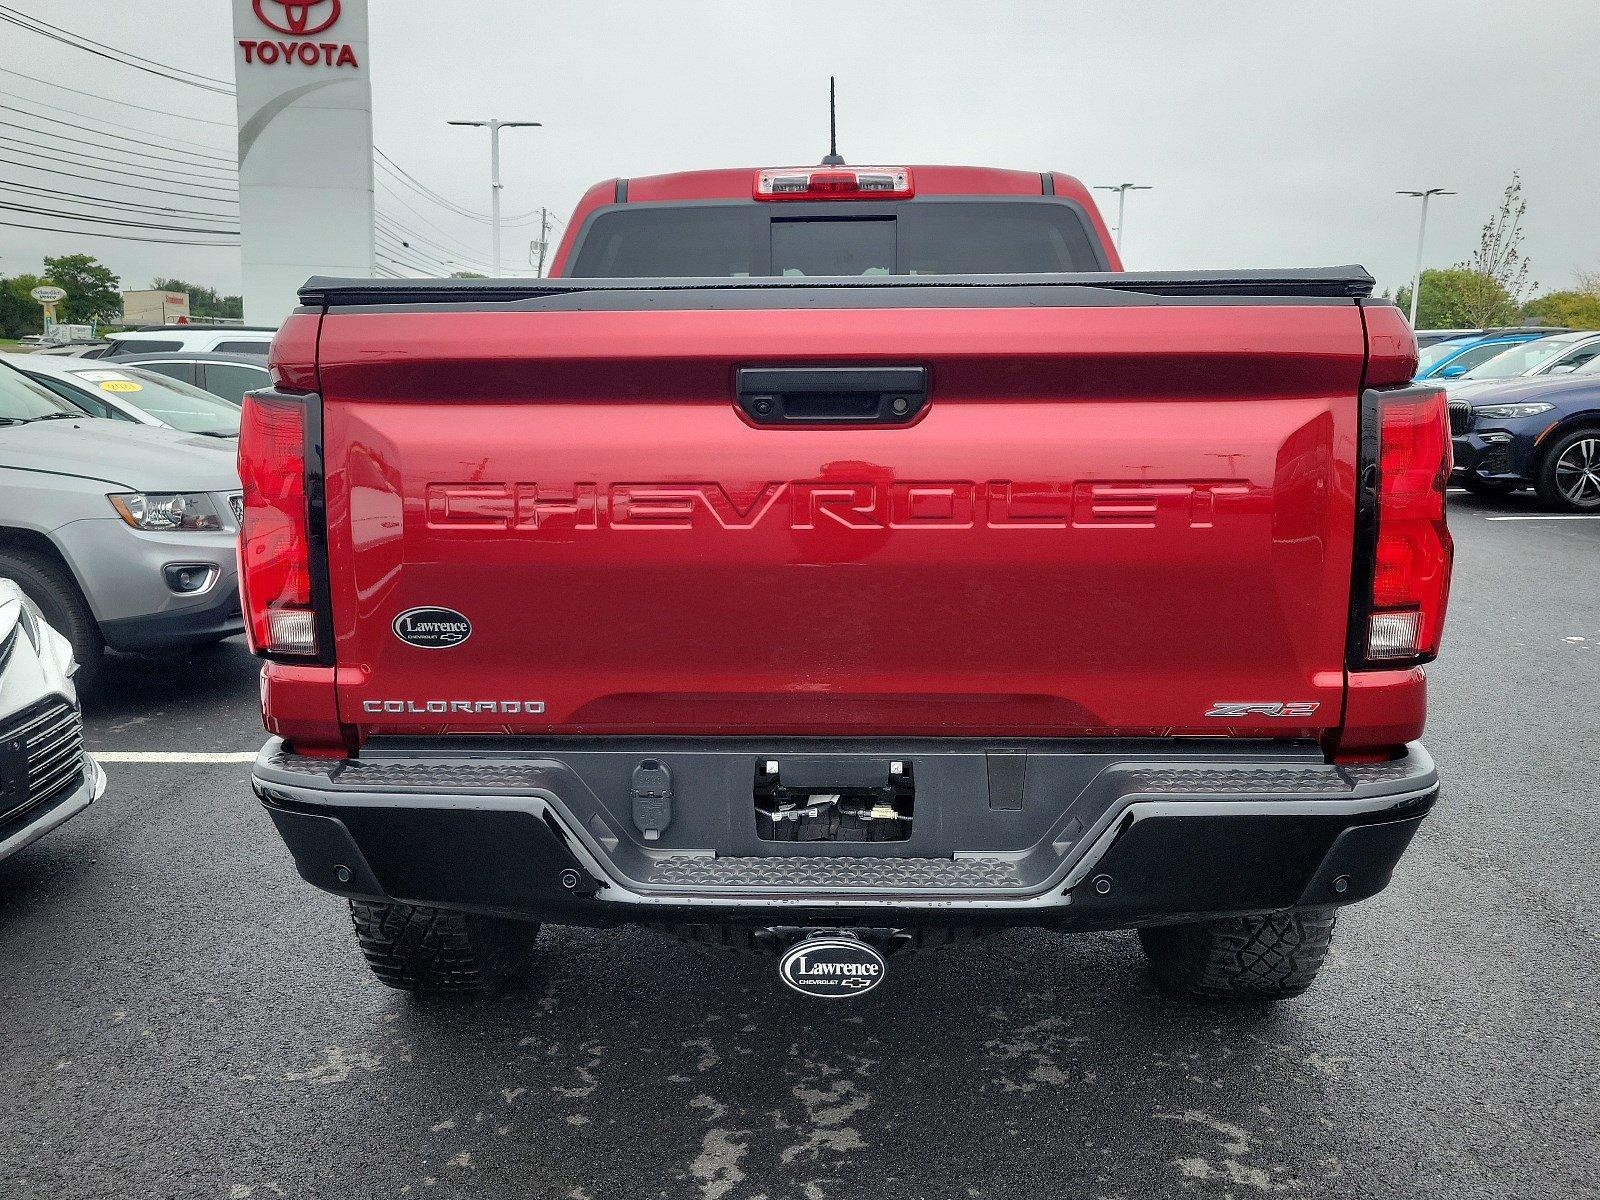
(305, 146)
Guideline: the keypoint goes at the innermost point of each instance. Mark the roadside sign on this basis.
(49, 293)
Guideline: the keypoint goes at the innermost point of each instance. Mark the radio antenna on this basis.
(833, 159)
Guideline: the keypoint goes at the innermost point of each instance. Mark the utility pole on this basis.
(1122, 190)
(494, 127)
(1422, 233)
(544, 236)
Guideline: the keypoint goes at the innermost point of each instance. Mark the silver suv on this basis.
(123, 535)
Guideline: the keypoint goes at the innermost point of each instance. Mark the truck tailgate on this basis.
(1108, 519)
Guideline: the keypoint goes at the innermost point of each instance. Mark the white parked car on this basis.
(129, 393)
(191, 339)
(45, 774)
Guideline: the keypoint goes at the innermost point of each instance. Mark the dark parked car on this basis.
(1541, 432)
(229, 375)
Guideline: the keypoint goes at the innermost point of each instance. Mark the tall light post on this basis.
(1422, 233)
(1122, 190)
(494, 128)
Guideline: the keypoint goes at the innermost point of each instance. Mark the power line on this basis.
(422, 259)
(109, 202)
(419, 186)
(126, 155)
(228, 160)
(413, 235)
(177, 116)
(120, 237)
(77, 162)
(401, 201)
(166, 191)
(111, 54)
(117, 222)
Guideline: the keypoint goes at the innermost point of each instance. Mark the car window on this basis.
(141, 346)
(22, 400)
(927, 238)
(1577, 358)
(80, 398)
(231, 381)
(184, 372)
(252, 347)
(1478, 355)
(169, 401)
(1429, 356)
(1521, 358)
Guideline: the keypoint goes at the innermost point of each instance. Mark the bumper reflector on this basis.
(1393, 634)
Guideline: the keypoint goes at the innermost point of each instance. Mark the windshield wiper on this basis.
(61, 417)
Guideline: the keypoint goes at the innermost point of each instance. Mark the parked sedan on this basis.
(227, 375)
(45, 776)
(1455, 358)
(124, 393)
(1542, 433)
(122, 534)
(1557, 354)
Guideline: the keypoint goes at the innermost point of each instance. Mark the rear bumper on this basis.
(1098, 837)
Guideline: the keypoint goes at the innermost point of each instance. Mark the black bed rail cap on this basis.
(1347, 282)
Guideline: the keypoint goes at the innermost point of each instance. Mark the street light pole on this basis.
(1122, 190)
(1422, 233)
(494, 127)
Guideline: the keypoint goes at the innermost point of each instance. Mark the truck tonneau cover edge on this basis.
(1341, 282)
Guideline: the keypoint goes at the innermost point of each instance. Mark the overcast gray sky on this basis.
(1274, 133)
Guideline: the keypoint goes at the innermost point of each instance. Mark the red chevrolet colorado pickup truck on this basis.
(832, 560)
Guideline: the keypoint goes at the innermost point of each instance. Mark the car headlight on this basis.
(1503, 411)
(162, 512)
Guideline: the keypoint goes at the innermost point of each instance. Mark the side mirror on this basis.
(1455, 371)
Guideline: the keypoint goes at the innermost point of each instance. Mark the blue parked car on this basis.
(1541, 432)
(1454, 358)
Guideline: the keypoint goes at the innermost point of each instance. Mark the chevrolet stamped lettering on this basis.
(436, 707)
(808, 504)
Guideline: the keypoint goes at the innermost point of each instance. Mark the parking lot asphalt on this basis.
(181, 1017)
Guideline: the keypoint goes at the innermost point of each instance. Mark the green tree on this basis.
(1574, 309)
(92, 288)
(20, 313)
(1456, 298)
(205, 304)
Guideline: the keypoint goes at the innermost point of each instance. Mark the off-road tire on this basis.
(67, 612)
(417, 949)
(1273, 957)
(1545, 483)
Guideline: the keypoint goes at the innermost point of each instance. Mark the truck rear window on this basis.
(929, 237)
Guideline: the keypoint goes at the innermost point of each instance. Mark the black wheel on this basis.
(1240, 958)
(56, 593)
(1487, 487)
(419, 949)
(1569, 476)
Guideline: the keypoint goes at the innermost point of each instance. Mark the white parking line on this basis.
(174, 756)
(1549, 517)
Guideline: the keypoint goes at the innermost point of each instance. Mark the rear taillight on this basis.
(274, 537)
(1412, 552)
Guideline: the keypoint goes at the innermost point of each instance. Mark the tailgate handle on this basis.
(832, 395)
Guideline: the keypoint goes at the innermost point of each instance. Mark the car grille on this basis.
(1460, 416)
(41, 756)
(236, 502)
